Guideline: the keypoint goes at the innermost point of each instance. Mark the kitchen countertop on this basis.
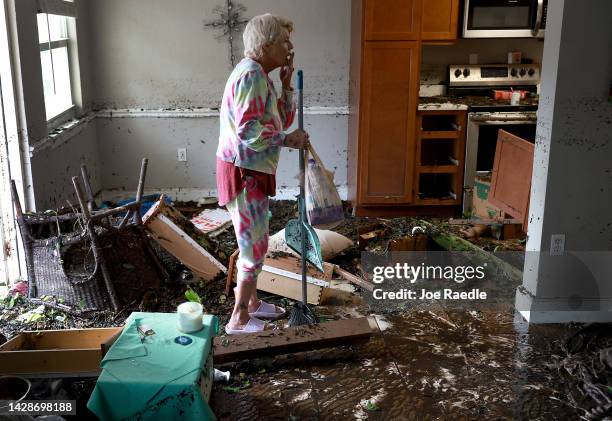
(448, 102)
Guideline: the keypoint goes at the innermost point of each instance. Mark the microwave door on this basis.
(500, 18)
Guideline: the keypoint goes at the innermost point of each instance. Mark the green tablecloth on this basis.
(158, 378)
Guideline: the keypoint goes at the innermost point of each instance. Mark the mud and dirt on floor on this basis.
(428, 362)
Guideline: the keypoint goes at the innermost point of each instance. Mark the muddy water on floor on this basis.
(432, 363)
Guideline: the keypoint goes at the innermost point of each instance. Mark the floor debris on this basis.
(424, 362)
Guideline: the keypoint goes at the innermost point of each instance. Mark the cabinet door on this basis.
(392, 19)
(388, 111)
(439, 21)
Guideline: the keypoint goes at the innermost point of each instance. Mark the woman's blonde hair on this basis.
(261, 30)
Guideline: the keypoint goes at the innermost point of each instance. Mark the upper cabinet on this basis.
(440, 20)
(388, 20)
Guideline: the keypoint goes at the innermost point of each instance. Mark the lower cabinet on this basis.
(439, 157)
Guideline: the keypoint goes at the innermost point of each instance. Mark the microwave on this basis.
(504, 18)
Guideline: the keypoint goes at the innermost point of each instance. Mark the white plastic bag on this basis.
(323, 204)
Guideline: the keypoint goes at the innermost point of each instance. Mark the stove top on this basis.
(482, 103)
(490, 75)
(475, 84)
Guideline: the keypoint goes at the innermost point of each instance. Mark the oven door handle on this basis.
(492, 119)
(539, 17)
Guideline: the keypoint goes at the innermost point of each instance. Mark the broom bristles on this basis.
(302, 315)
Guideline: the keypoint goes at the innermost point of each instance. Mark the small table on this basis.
(160, 377)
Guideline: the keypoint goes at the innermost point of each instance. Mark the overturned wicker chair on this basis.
(94, 259)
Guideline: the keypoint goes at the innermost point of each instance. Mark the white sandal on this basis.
(268, 311)
(253, 326)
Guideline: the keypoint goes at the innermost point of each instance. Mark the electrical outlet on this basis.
(181, 154)
(557, 244)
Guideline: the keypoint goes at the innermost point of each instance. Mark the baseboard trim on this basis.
(195, 194)
(543, 311)
(197, 112)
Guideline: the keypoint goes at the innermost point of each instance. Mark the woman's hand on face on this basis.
(286, 71)
(297, 139)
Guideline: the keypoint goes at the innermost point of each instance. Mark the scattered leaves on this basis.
(371, 406)
(193, 296)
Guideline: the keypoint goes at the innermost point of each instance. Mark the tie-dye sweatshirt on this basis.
(252, 119)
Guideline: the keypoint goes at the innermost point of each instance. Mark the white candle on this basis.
(189, 317)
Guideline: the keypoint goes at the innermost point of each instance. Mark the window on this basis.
(55, 44)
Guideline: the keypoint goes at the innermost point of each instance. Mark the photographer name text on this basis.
(423, 294)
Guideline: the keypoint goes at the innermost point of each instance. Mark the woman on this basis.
(253, 118)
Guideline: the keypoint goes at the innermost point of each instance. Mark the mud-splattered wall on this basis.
(572, 182)
(53, 168)
(154, 54)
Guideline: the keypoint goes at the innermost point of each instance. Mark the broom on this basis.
(301, 313)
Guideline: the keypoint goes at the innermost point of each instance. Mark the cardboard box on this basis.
(55, 353)
(481, 207)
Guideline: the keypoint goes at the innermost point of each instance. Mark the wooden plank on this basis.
(293, 264)
(59, 339)
(504, 221)
(440, 134)
(437, 169)
(354, 279)
(180, 245)
(71, 338)
(70, 352)
(288, 287)
(106, 345)
(52, 361)
(16, 343)
(294, 339)
(285, 286)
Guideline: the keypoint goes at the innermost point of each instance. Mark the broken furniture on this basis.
(163, 376)
(511, 180)
(55, 353)
(168, 227)
(292, 339)
(282, 276)
(93, 259)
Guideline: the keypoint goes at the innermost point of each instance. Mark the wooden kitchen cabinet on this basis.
(384, 176)
(439, 20)
(392, 19)
(440, 157)
(386, 144)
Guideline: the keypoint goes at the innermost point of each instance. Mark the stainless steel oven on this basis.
(481, 140)
(504, 18)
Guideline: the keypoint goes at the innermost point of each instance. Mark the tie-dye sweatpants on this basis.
(249, 212)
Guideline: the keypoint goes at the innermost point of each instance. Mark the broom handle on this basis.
(302, 198)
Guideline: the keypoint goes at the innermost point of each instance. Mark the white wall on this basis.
(155, 54)
(572, 180)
